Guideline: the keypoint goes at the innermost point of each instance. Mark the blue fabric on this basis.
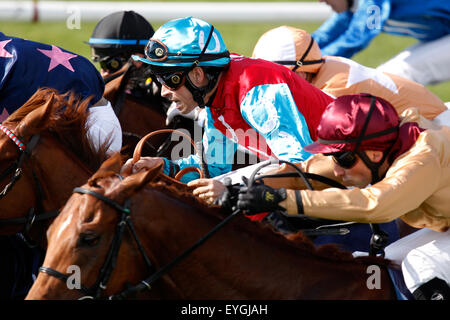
(286, 135)
(219, 151)
(346, 33)
(401, 290)
(358, 239)
(26, 66)
(19, 267)
(261, 108)
(188, 36)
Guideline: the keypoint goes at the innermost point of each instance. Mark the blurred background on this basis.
(68, 23)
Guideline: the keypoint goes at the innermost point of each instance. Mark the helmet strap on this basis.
(374, 167)
(199, 93)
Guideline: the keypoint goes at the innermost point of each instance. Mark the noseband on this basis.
(16, 167)
(95, 291)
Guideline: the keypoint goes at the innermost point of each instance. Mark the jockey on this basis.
(253, 103)
(357, 22)
(114, 40)
(116, 37)
(338, 76)
(399, 167)
(26, 66)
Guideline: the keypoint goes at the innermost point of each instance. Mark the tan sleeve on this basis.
(408, 183)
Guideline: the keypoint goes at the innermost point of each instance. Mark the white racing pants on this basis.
(423, 255)
(424, 62)
(103, 125)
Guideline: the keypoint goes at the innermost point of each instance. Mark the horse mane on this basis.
(180, 191)
(297, 242)
(67, 123)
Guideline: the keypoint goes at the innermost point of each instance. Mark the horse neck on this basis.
(140, 118)
(59, 171)
(239, 261)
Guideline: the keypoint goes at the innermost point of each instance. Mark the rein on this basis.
(95, 291)
(16, 167)
(379, 238)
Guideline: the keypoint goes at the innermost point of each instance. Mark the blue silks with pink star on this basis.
(26, 66)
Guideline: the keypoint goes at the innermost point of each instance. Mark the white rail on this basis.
(163, 11)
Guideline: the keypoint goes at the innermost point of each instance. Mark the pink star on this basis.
(4, 115)
(3, 52)
(58, 57)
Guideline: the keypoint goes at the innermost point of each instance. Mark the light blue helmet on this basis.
(181, 43)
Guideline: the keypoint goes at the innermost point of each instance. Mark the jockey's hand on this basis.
(229, 197)
(144, 163)
(208, 190)
(260, 198)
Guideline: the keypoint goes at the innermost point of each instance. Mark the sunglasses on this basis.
(346, 160)
(172, 80)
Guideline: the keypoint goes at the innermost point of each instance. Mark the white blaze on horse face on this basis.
(64, 225)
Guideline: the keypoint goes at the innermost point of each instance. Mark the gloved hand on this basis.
(229, 197)
(260, 198)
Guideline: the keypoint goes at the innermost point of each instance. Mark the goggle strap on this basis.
(205, 57)
(300, 61)
(367, 137)
(366, 123)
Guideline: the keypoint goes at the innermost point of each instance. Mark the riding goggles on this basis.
(172, 80)
(345, 159)
(112, 64)
(157, 51)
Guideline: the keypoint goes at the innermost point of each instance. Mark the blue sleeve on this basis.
(218, 149)
(366, 23)
(271, 110)
(332, 28)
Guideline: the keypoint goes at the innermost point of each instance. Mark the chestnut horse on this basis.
(242, 260)
(57, 157)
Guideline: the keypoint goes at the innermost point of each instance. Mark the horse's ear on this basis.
(113, 164)
(33, 122)
(139, 180)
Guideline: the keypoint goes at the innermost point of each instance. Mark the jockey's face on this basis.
(182, 97)
(337, 5)
(359, 175)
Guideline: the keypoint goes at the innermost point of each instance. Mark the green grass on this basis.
(240, 38)
(194, 0)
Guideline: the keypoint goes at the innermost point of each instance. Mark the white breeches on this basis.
(424, 62)
(103, 125)
(423, 255)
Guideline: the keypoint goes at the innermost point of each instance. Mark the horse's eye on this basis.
(88, 240)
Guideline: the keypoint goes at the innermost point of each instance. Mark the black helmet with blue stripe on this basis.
(118, 33)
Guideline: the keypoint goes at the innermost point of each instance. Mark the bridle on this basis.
(34, 214)
(95, 291)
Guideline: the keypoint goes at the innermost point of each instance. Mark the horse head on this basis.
(146, 234)
(44, 149)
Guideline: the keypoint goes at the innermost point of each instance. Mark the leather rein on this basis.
(95, 291)
(35, 213)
